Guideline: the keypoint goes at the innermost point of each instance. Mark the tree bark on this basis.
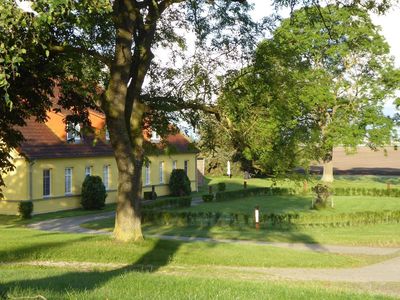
(114, 103)
(128, 216)
(327, 175)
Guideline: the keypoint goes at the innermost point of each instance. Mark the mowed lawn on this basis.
(367, 235)
(160, 269)
(281, 204)
(124, 283)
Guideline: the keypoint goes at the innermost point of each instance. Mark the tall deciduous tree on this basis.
(117, 41)
(80, 44)
(319, 82)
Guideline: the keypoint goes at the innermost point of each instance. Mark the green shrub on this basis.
(221, 186)
(208, 198)
(322, 193)
(179, 183)
(25, 209)
(150, 196)
(93, 193)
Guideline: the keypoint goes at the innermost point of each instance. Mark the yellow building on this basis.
(52, 163)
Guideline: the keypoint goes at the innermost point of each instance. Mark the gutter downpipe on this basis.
(31, 163)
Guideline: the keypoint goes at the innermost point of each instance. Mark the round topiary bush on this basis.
(179, 183)
(93, 193)
(25, 209)
(322, 193)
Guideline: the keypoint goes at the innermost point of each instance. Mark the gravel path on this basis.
(387, 271)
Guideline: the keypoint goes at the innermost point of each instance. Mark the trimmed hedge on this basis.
(208, 198)
(170, 202)
(179, 183)
(286, 220)
(366, 192)
(25, 209)
(93, 193)
(231, 195)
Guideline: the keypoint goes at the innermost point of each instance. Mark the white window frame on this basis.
(106, 176)
(107, 135)
(161, 170)
(147, 177)
(88, 171)
(74, 133)
(68, 181)
(46, 177)
(186, 166)
(155, 137)
(174, 164)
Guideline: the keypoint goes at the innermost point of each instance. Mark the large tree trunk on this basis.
(327, 175)
(124, 110)
(128, 218)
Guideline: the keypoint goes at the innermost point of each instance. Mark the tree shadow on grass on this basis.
(161, 254)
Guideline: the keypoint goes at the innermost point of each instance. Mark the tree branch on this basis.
(65, 49)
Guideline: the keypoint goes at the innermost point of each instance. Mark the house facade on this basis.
(52, 163)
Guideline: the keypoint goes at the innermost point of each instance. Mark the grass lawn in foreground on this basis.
(372, 235)
(378, 235)
(20, 244)
(130, 284)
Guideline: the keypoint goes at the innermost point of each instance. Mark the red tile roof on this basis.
(41, 142)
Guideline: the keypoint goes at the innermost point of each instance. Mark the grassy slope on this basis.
(380, 235)
(25, 245)
(126, 284)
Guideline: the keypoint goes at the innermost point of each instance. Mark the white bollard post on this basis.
(257, 217)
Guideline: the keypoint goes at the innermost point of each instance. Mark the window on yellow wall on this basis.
(46, 182)
(186, 166)
(88, 171)
(161, 170)
(68, 181)
(147, 174)
(106, 176)
(174, 165)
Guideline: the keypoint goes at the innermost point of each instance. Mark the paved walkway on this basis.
(72, 225)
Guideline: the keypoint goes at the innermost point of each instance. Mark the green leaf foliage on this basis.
(179, 183)
(93, 193)
(320, 81)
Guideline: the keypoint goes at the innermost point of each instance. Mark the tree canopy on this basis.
(114, 45)
(321, 81)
